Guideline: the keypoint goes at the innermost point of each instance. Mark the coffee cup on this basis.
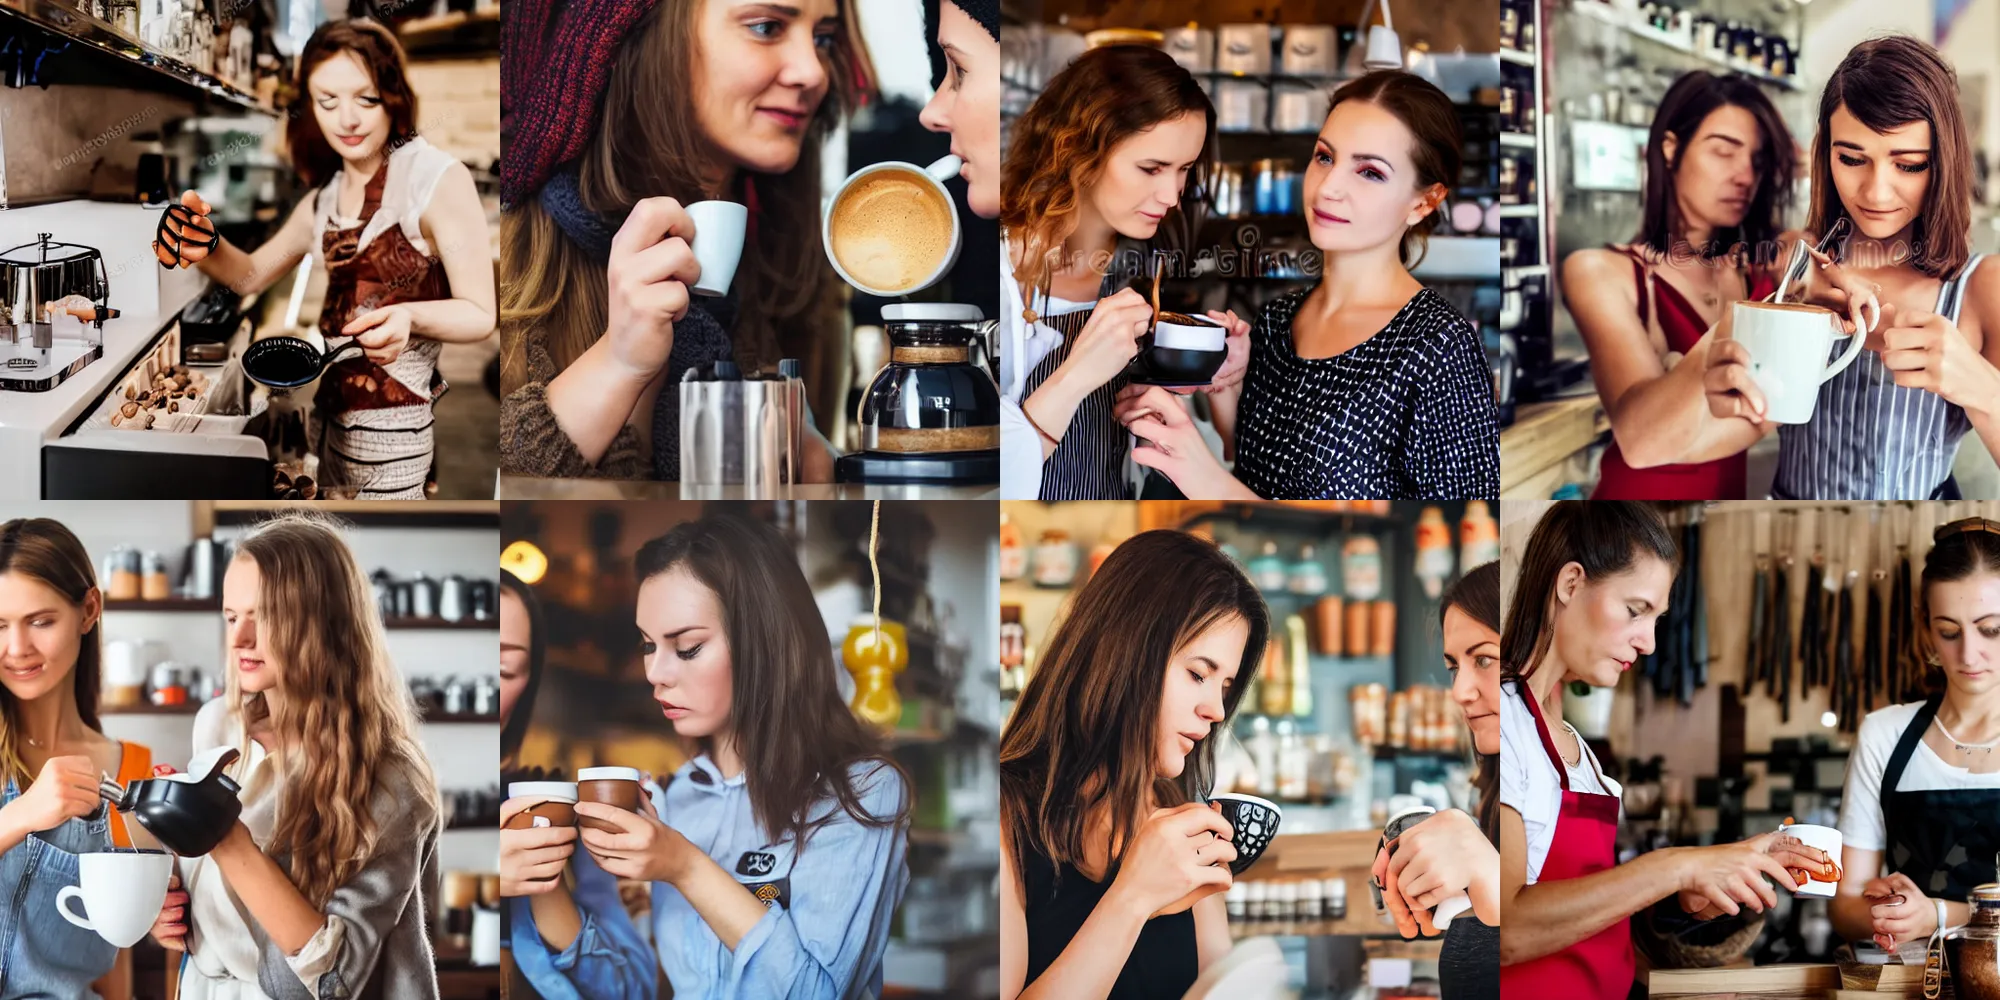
(557, 809)
(718, 244)
(612, 786)
(1255, 821)
(1788, 344)
(122, 891)
(891, 228)
(1185, 350)
(1825, 838)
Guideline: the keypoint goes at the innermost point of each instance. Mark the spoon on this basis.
(1795, 269)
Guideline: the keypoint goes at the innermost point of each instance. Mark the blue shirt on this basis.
(43, 956)
(607, 961)
(830, 901)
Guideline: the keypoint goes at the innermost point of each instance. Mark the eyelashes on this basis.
(1908, 168)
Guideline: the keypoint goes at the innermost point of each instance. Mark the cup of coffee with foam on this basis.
(891, 228)
(612, 786)
(1183, 351)
(1789, 344)
(557, 808)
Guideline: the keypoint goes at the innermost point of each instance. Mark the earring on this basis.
(1932, 659)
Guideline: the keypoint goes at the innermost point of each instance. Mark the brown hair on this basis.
(1477, 594)
(1082, 736)
(382, 55)
(46, 551)
(1432, 121)
(1888, 83)
(646, 143)
(1687, 104)
(1605, 537)
(799, 741)
(344, 720)
(1106, 96)
(1963, 549)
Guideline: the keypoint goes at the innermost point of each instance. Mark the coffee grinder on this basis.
(930, 416)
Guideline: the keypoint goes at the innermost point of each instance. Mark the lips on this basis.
(249, 664)
(788, 117)
(1153, 217)
(24, 673)
(671, 710)
(1623, 665)
(351, 140)
(1877, 213)
(1328, 218)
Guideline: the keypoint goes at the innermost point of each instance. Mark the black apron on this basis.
(1943, 839)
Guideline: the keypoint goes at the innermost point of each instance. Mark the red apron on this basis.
(1599, 967)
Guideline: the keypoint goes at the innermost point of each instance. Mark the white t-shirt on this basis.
(1529, 783)
(1861, 824)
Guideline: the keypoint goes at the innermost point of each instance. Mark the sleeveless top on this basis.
(1163, 963)
(1682, 326)
(1871, 439)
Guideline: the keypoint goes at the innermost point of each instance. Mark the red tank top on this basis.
(1722, 479)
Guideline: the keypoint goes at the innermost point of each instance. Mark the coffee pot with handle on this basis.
(187, 813)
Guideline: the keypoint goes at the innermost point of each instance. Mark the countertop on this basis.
(531, 488)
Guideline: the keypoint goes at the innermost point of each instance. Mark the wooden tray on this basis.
(1795, 981)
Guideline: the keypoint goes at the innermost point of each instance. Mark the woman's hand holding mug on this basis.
(1431, 862)
(1898, 910)
(643, 848)
(1237, 343)
(532, 859)
(66, 789)
(1727, 877)
(652, 266)
(1109, 339)
(1177, 857)
(170, 930)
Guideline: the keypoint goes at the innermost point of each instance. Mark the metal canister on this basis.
(738, 430)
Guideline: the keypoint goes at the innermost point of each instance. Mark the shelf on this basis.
(1279, 515)
(188, 709)
(1386, 752)
(368, 513)
(1520, 211)
(67, 22)
(1517, 140)
(454, 33)
(1599, 12)
(208, 605)
(441, 625)
(1517, 57)
(452, 718)
(1512, 275)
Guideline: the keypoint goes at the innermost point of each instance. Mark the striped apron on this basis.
(1089, 462)
(1871, 439)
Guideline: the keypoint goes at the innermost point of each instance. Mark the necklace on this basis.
(1578, 737)
(1960, 745)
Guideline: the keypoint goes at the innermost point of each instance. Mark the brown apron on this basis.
(376, 421)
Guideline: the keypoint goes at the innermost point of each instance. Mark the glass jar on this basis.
(1055, 559)
(1013, 550)
(1979, 948)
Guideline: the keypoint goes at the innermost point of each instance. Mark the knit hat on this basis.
(986, 12)
(558, 56)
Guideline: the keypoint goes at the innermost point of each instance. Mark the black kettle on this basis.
(187, 813)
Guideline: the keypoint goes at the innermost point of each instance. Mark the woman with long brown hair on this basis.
(52, 750)
(1452, 852)
(1112, 865)
(398, 226)
(777, 853)
(1893, 160)
(1592, 583)
(631, 112)
(1366, 384)
(326, 883)
(1108, 164)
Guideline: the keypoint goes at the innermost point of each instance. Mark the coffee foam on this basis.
(1787, 306)
(891, 230)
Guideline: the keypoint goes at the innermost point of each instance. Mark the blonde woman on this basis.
(323, 887)
(52, 753)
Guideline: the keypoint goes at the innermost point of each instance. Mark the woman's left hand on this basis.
(1899, 911)
(643, 848)
(1237, 343)
(1170, 442)
(1431, 862)
(1924, 350)
(382, 333)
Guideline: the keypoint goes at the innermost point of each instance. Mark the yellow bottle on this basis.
(875, 659)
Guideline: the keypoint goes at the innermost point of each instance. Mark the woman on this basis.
(398, 226)
(1893, 160)
(575, 943)
(967, 104)
(776, 854)
(1917, 827)
(1594, 580)
(1366, 384)
(1719, 164)
(324, 886)
(595, 239)
(1077, 229)
(1112, 869)
(1452, 853)
(53, 750)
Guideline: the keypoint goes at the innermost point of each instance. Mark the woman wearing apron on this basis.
(1451, 852)
(53, 753)
(1920, 815)
(1074, 235)
(398, 226)
(1594, 580)
(1888, 426)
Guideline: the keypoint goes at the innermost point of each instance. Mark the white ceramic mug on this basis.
(1825, 838)
(934, 175)
(122, 892)
(1788, 345)
(1189, 336)
(718, 244)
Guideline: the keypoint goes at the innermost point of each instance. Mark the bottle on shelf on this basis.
(1301, 666)
(1013, 549)
(1274, 680)
(1267, 571)
(1306, 576)
(1381, 628)
(1326, 625)
(1433, 550)
(1478, 537)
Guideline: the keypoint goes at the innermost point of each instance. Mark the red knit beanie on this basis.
(557, 57)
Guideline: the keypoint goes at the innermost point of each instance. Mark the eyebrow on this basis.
(1975, 621)
(1215, 668)
(953, 49)
(1844, 144)
(675, 634)
(1383, 160)
(1730, 139)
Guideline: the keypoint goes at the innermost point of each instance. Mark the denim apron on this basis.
(43, 956)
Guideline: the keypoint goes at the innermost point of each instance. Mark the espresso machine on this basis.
(930, 416)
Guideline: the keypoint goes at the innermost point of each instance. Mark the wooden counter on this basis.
(1802, 981)
(1548, 445)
